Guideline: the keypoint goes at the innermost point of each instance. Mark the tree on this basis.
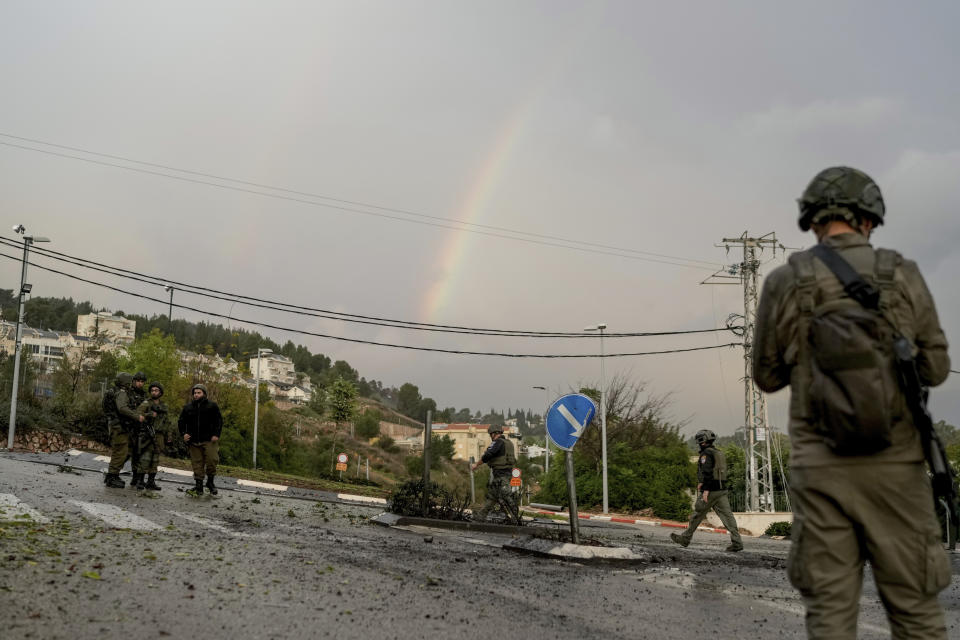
(343, 401)
(408, 400)
(368, 424)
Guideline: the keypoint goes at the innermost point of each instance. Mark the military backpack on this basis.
(854, 391)
(109, 405)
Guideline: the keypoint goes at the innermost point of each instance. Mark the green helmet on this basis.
(840, 192)
(705, 436)
(140, 375)
(157, 385)
(123, 379)
(492, 429)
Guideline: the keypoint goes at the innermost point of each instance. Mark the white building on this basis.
(275, 368)
(103, 323)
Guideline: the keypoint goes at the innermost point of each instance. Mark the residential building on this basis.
(102, 323)
(469, 440)
(275, 367)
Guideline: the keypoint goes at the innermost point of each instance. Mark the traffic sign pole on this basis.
(572, 486)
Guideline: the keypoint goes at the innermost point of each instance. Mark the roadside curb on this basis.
(652, 523)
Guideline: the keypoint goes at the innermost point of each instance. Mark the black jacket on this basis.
(706, 467)
(201, 419)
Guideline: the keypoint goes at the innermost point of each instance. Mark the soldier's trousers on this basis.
(204, 456)
(718, 501)
(498, 488)
(119, 448)
(847, 514)
(150, 448)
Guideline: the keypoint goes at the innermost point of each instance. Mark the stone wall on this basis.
(52, 442)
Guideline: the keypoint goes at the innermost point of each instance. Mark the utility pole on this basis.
(759, 470)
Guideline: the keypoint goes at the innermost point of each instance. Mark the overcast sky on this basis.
(649, 127)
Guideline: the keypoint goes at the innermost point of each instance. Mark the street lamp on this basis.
(169, 290)
(256, 404)
(18, 347)
(546, 439)
(603, 416)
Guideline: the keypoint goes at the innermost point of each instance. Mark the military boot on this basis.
(152, 482)
(734, 547)
(114, 482)
(210, 486)
(135, 480)
(141, 482)
(197, 490)
(679, 539)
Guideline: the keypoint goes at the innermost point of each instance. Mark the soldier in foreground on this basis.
(711, 493)
(860, 490)
(500, 456)
(200, 425)
(153, 434)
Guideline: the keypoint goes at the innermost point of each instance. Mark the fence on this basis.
(738, 501)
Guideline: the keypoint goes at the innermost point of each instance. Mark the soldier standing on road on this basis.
(711, 493)
(854, 503)
(200, 425)
(153, 433)
(134, 395)
(500, 456)
(118, 426)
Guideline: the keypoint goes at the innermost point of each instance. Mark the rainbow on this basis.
(450, 261)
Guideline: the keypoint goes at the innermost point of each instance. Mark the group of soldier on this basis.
(140, 429)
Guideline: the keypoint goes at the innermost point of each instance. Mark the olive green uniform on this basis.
(848, 509)
(122, 426)
(498, 487)
(711, 472)
(154, 433)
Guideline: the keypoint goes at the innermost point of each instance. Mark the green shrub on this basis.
(778, 529)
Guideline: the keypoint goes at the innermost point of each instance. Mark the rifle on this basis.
(944, 477)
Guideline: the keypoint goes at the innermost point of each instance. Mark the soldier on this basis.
(711, 493)
(153, 434)
(200, 425)
(118, 428)
(134, 396)
(859, 487)
(500, 456)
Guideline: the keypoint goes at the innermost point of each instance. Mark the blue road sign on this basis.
(567, 419)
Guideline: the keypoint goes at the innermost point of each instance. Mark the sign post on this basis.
(567, 419)
(341, 464)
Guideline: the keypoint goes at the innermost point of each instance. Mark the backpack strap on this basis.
(806, 278)
(853, 283)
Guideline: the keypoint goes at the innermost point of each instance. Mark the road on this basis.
(84, 561)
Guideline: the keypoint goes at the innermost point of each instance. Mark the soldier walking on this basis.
(153, 433)
(860, 490)
(500, 456)
(711, 493)
(200, 425)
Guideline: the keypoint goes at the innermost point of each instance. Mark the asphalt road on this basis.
(84, 561)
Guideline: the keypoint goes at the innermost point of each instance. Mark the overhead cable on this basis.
(366, 342)
(327, 314)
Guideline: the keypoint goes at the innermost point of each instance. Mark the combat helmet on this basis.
(492, 429)
(157, 385)
(123, 379)
(705, 436)
(140, 375)
(841, 192)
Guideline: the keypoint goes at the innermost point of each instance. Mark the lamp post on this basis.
(603, 416)
(256, 403)
(546, 437)
(18, 347)
(169, 290)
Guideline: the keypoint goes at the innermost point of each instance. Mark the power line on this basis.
(324, 313)
(366, 342)
(298, 196)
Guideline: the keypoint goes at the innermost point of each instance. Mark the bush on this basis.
(778, 529)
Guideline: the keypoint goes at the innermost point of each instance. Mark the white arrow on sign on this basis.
(577, 427)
